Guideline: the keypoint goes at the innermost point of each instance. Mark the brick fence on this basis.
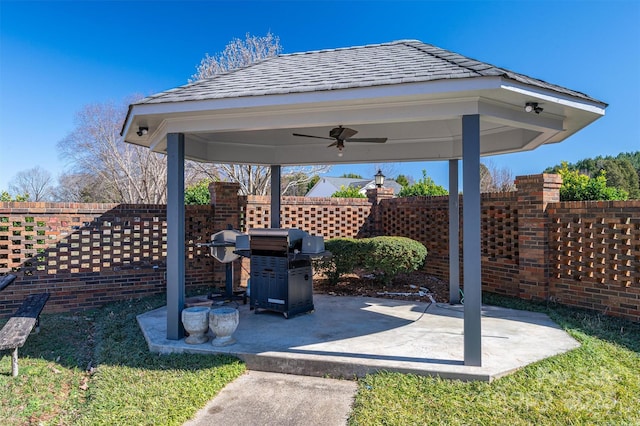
(533, 246)
(583, 254)
(89, 254)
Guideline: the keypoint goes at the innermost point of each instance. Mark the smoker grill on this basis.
(281, 276)
(223, 246)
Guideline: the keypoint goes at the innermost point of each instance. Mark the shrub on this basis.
(385, 257)
(579, 187)
(389, 256)
(347, 254)
(348, 192)
(198, 193)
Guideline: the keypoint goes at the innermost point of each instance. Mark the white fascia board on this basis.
(438, 87)
(554, 97)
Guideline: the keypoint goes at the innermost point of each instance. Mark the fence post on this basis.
(225, 202)
(224, 199)
(534, 193)
(375, 196)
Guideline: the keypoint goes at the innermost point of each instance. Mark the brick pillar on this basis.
(375, 196)
(534, 193)
(226, 211)
(224, 199)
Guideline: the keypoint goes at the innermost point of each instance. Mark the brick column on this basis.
(226, 211)
(224, 199)
(534, 193)
(375, 197)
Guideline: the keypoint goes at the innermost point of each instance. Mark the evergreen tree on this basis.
(622, 172)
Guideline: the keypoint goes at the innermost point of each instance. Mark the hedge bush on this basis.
(347, 254)
(389, 256)
(385, 257)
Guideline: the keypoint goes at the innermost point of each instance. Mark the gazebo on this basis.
(430, 104)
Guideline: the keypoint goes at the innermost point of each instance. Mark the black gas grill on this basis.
(281, 276)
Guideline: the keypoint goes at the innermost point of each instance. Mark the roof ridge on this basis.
(418, 45)
(500, 71)
(338, 49)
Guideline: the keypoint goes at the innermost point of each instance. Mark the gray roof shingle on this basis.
(405, 61)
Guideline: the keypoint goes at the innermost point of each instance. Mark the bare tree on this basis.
(81, 188)
(121, 172)
(237, 54)
(495, 179)
(36, 183)
(254, 180)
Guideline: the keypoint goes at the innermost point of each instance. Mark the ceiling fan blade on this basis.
(333, 144)
(367, 140)
(311, 136)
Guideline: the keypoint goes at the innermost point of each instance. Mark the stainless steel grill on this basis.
(281, 276)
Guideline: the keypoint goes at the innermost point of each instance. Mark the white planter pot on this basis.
(196, 323)
(223, 323)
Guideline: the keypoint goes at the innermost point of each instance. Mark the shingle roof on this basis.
(405, 61)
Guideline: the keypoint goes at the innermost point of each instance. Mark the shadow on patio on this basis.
(353, 336)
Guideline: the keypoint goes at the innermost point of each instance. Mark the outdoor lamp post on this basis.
(379, 179)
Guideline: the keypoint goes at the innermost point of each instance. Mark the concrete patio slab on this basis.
(352, 336)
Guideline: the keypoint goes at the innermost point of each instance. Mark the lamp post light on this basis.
(379, 179)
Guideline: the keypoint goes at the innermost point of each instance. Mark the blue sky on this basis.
(57, 56)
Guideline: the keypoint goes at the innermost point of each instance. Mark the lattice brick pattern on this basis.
(602, 250)
(199, 227)
(499, 230)
(330, 221)
(425, 219)
(84, 244)
(75, 242)
(22, 237)
(328, 218)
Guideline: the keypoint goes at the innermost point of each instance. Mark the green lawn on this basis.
(95, 368)
(596, 384)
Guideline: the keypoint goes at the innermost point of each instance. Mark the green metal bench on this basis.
(15, 332)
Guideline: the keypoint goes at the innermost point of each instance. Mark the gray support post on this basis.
(275, 196)
(454, 234)
(471, 243)
(175, 235)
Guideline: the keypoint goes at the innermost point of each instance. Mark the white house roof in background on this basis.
(346, 182)
(328, 185)
(398, 62)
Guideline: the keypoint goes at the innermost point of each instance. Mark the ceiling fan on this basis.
(340, 135)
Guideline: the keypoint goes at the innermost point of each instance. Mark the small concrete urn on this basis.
(223, 323)
(196, 323)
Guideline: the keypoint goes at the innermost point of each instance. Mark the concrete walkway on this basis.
(259, 398)
(352, 336)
